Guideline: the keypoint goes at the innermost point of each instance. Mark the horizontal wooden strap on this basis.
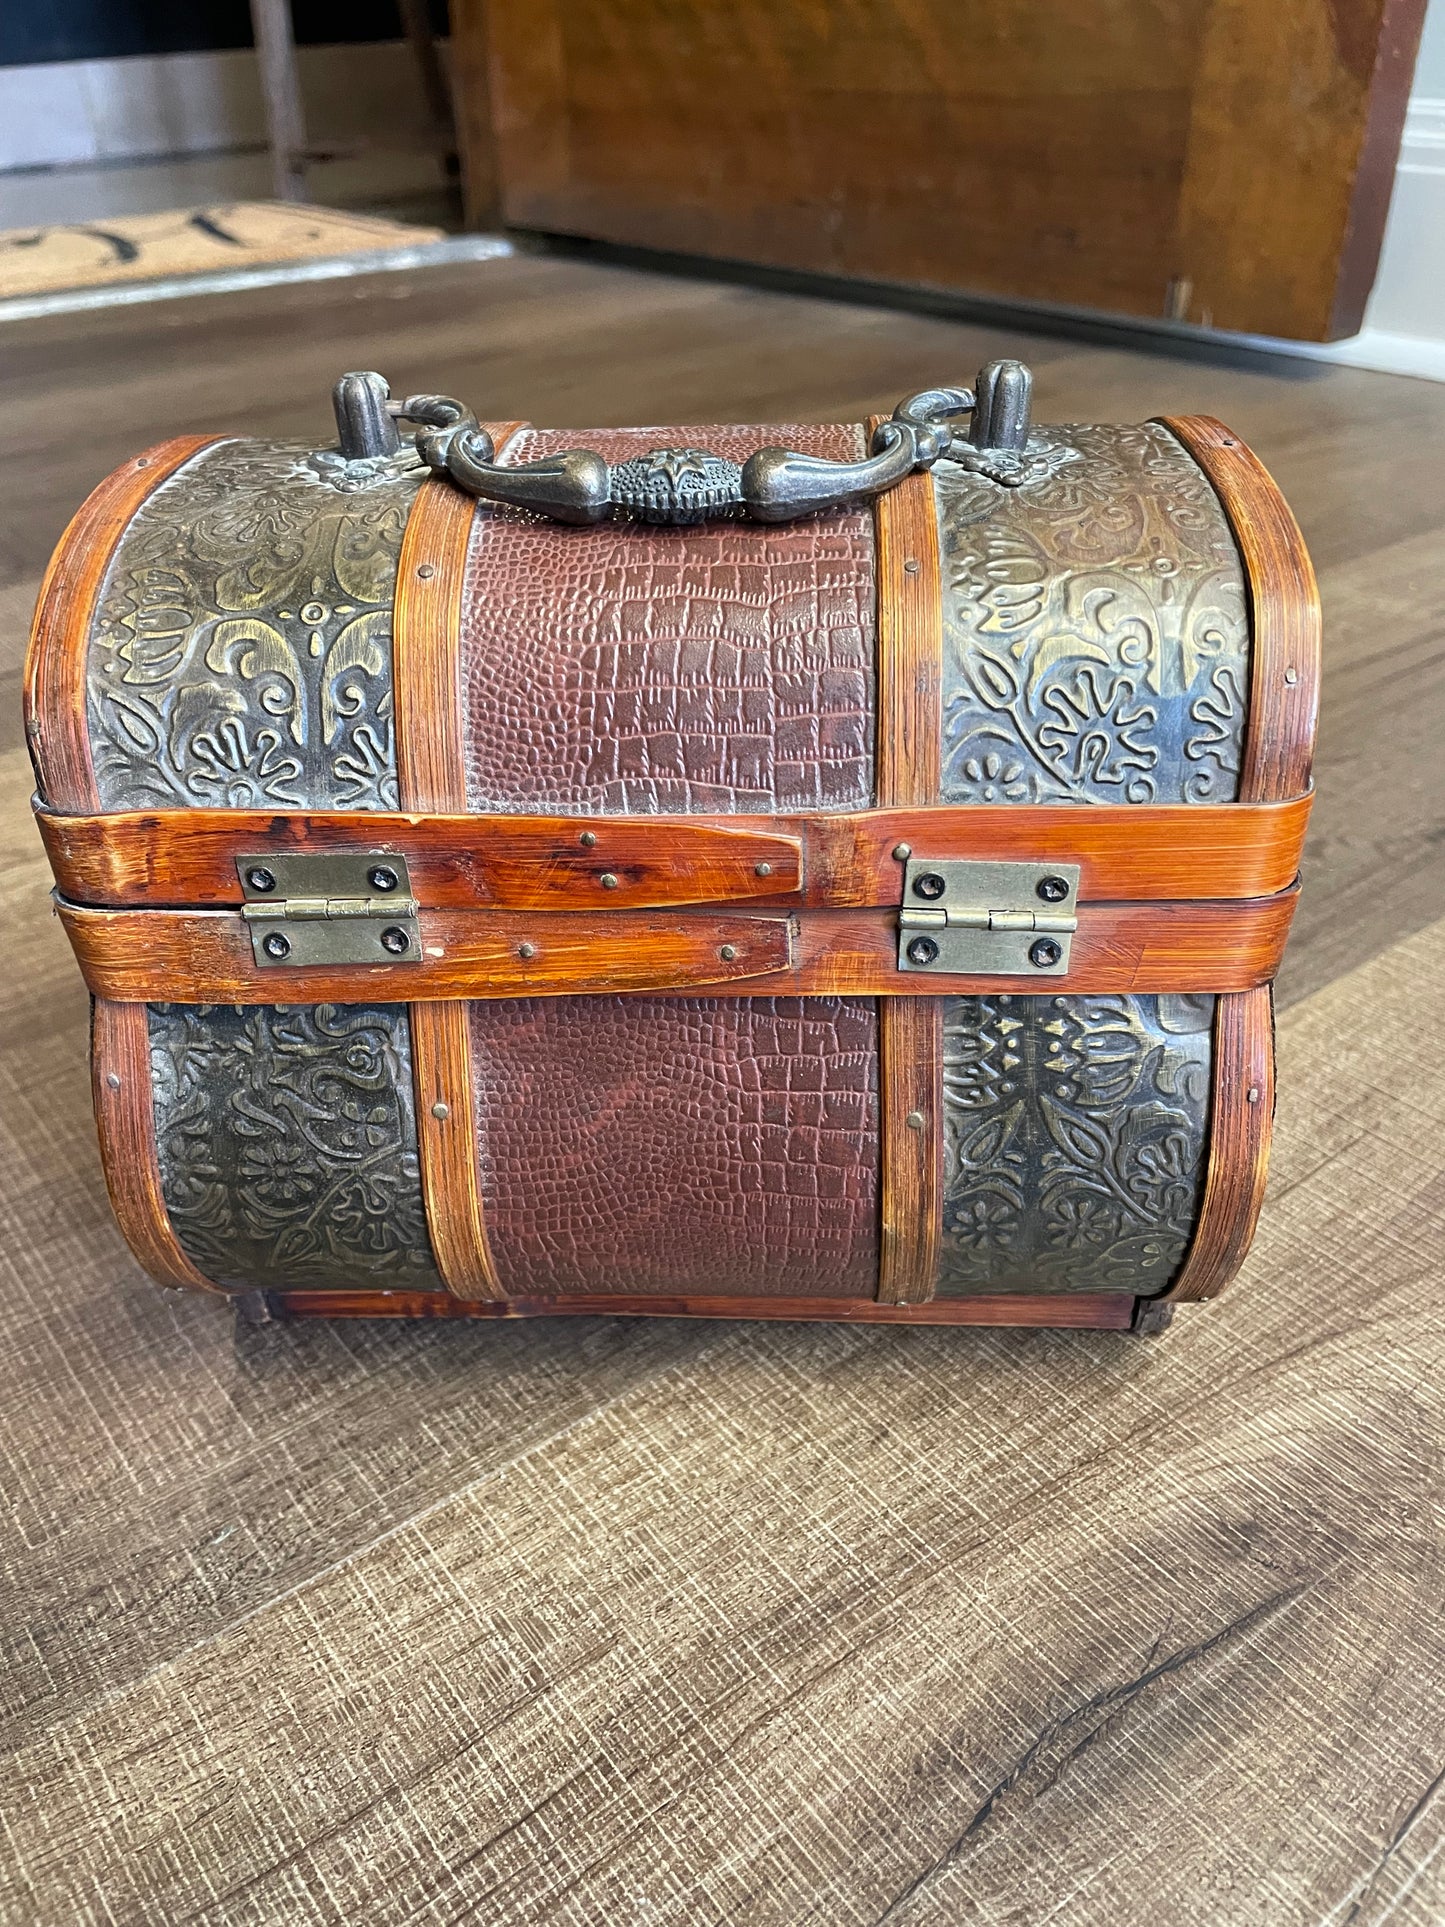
(205, 956)
(1069, 1310)
(844, 861)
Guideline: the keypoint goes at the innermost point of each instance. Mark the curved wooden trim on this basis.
(431, 775)
(1070, 1311)
(206, 956)
(120, 1070)
(56, 661)
(1126, 853)
(910, 1054)
(450, 1162)
(1241, 1119)
(1284, 611)
(908, 755)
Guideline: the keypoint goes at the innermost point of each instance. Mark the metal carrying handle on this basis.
(681, 486)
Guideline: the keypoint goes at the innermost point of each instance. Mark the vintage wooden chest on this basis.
(822, 872)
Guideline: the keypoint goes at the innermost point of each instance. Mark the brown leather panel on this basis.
(679, 1145)
(629, 669)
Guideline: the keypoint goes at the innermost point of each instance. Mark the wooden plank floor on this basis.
(652, 1622)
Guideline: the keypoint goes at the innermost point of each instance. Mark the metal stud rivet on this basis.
(922, 950)
(1253, 1094)
(1044, 953)
(1291, 675)
(395, 939)
(762, 869)
(587, 839)
(381, 878)
(1051, 889)
(275, 945)
(914, 1120)
(728, 952)
(441, 1112)
(526, 950)
(143, 461)
(426, 569)
(902, 852)
(607, 880)
(259, 879)
(113, 1079)
(910, 567)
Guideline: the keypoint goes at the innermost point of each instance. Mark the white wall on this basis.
(1404, 327)
(74, 112)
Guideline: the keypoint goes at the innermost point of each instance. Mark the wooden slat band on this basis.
(908, 765)
(1284, 607)
(1241, 1120)
(1279, 741)
(431, 775)
(843, 861)
(447, 1137)
(120, 1071)
(206, 957)
(1069, 1311)
(56, 663)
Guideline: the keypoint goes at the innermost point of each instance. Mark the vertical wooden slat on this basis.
(1241, 1120)
(58, 656)
(1284, 608)
(120, 1072)
(431, 775)
(908, 763)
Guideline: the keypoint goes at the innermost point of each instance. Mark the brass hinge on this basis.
(988, 919)
(330, 907)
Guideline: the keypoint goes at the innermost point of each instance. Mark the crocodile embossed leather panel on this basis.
(629, 669)
(680, 1145)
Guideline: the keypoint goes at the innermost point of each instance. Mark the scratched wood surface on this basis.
(640, 1621)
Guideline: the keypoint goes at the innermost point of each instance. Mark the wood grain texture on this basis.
(431, 775)
(55, 666)
(120, 1073)
(447, 1139)
(1284, 606)
(836, 860)
(1279, 745)
(206, 956)
(1213, 161)
(1241, 1118)
(471, 96)
(591, 1619)
(1062, 1311)
(910, 1051)
(908, 762)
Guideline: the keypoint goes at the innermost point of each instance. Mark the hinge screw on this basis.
(259, 879)
(380, 878)
(1045, 953)
(1051, 889)
(930, 886)
(922, 950)
(275, 945)
(395, 939)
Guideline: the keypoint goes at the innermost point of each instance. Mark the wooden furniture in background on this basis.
(1220, 162)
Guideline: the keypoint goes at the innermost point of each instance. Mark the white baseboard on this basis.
(68, 113)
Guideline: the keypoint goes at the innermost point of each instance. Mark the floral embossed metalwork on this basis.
(1096, 642)
(288, 1144)
(241, 655)
(1074, 1135)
